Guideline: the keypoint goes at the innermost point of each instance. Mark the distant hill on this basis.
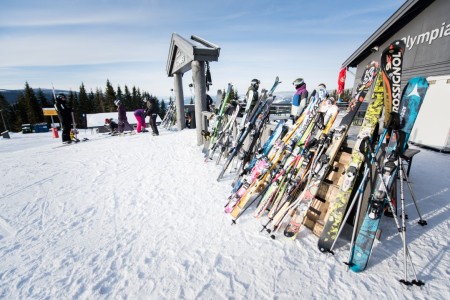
(11, 95)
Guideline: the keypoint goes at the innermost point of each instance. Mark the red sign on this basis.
(341, 81)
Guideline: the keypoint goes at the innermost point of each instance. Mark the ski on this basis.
(262, 108)
(284, 208)
(292, 151)
(224, 134)
(219, 118)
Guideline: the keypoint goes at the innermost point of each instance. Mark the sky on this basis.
(66, 43)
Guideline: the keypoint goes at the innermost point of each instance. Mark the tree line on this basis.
(28, 107)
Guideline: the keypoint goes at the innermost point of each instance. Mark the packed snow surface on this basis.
(142, 217)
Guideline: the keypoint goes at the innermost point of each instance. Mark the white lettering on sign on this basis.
(427, 37)
(396, 80)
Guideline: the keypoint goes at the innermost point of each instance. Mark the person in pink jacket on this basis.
(140, 117)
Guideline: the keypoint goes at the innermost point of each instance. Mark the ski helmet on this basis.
(61, 97)
(255, 83)
(298, 82)
(323, 93)
(117, 102)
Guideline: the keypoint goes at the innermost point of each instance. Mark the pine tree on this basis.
(99, 101)
(92, 107)
(110, 96)
(162, 109)
(119, 95)
(127, 99)
(235, 95)
(5, 114)
(232, 94)
(346, 95)
(157, 105)
(21, 115)
(43, 101)
(136, 99)
(31, 105)
(83, 106)
(73, 103)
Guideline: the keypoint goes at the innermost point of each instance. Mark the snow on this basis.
(142, 217)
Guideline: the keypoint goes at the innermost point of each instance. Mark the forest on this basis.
(29, 104)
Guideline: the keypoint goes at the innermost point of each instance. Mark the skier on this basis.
(300, 98)
(123, 120)
(140, 117)
(151, 111)
(65, 114)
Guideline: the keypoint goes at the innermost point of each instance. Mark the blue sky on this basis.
(70, 42)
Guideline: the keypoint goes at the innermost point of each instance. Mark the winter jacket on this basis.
(122, 113)
(151, 108)
(299, 101)
(139, 112)
(63, 109)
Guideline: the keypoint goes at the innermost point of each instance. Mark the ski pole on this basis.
(399, 228)
(403, 229)
(421, 221)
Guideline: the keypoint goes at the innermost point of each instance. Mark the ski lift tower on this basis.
(185, 55)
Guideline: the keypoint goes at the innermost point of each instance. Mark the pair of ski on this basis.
(170, 116)
(294, 211)
(293, 147)
(288, 162)
(224, 140)
(289, 211)
(279, 143)
(284, 200)
(210, 146)
(257, 120)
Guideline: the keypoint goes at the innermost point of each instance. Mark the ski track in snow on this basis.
(142, 217)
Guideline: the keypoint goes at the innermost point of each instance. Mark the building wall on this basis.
(427, 39)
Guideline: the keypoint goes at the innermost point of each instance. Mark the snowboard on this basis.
(413, 95)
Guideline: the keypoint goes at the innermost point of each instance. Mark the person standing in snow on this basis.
(123, 120)
(152, 111)
(65, 114)
(140, 118)
(300, 98)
